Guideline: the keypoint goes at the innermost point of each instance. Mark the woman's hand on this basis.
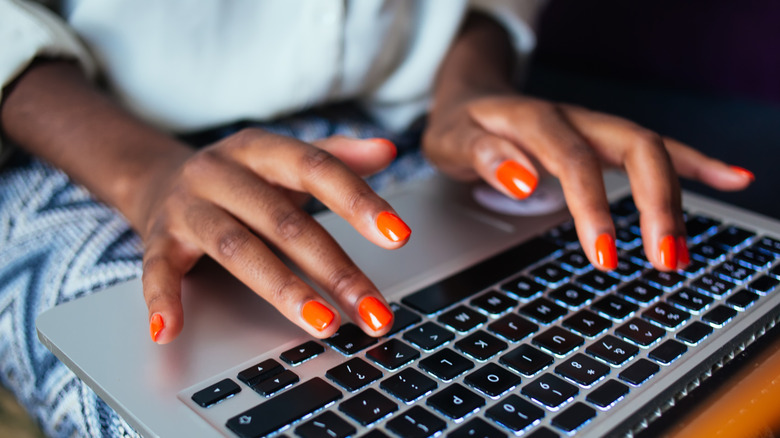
(237, 201)
(510, 140)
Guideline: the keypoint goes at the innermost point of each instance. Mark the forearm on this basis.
(479, 62)
(54, 112)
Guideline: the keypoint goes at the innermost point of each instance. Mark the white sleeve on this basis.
(28, 30)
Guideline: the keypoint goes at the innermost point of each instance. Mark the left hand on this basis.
(508, 140)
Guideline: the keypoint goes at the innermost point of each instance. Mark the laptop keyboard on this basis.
(533, 341)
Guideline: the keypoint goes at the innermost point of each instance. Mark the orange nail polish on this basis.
(390, 145)
(156, 325)
(743, 171)
(668, 252)
(392, 227)
(374, 313)
(682, 251)
(517, 179)
(606, 252)
(317, 315)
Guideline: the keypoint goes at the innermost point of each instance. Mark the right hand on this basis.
(237, 199)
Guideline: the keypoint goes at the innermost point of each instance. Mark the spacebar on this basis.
(284, 409)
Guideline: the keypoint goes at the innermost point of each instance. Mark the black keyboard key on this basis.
(462, 319)
(477, 428)
(769, 245)
(614, 307)
(276, 383)
(666, 315)
(698, 225)
(690, 299)
(472, 280)
(598, 281)
(582, 369)
(664, 280)
(350, 339)
(480, 345)
(627, 269)
(719, 315)
(550, 390)
(754, 258)
(734, 272)
(708, 252)
(607, 394)
(694, 268)
(446, 364)
(543, 310)
(694, 333)
(494, 303)
(731, 237)
(522, 287)
(559, 341)
(775, 271)
(513, 327)
(402, 318)
(564, 234)
(393, 354)
(326, 425)
(408, 385)
(374, 433)
(542, 432)
(587, 323)
(638, 256)
(639, 371)
(429, 336)
(572, 296)
(492, 379)
(284, 409)
(612, 350)
(416, 422)
(640, 332)
(668, 351)
(575, 260)
(742, 299)
(763, 284)
(623, 208)
(626, 238)
(574, 417)
(526, 360)
(640, 292)
(354, 374)
(456, 401)
(260, 371)
(216, 393)
(302, 353)
(368, 407)
(551, 274)
(514, 413)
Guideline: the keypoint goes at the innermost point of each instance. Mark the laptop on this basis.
(501, 328)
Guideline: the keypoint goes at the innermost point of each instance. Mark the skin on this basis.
(238, 200)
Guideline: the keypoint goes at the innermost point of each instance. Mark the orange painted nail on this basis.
(517, 179)
(392, 227)
(317, 315)
(374, 313)
(682, 251)
(743, 171)
(668, 251)
(390, 145)
(156, 325)
(606, 252)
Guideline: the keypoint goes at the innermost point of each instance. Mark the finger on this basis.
(654, 182)
(164, 266)
(299, 166)
(692, 164)
(365, 157)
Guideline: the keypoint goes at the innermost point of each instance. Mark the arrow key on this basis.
(216, 393)
(276, 383)
(302, 353)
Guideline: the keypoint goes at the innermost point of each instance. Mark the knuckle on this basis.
(646, 141)
(316, 161)
(344, 280)
(282, 289)
(357, 200)
(231, 242)
(290, 223)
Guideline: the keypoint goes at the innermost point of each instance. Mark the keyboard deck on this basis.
(532, 342)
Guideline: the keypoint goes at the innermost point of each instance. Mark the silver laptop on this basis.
(502, 328)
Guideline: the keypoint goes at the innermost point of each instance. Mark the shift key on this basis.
(286, 408)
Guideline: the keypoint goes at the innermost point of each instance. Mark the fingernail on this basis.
(374, 313)
(156, 325)
(317, 315)
(682, 251)
(606, 252)
(743, 171)
(517, 179)
(390, 145)
(392, 227)
(668, 251)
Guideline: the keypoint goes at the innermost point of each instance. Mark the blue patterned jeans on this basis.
(58, 243)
